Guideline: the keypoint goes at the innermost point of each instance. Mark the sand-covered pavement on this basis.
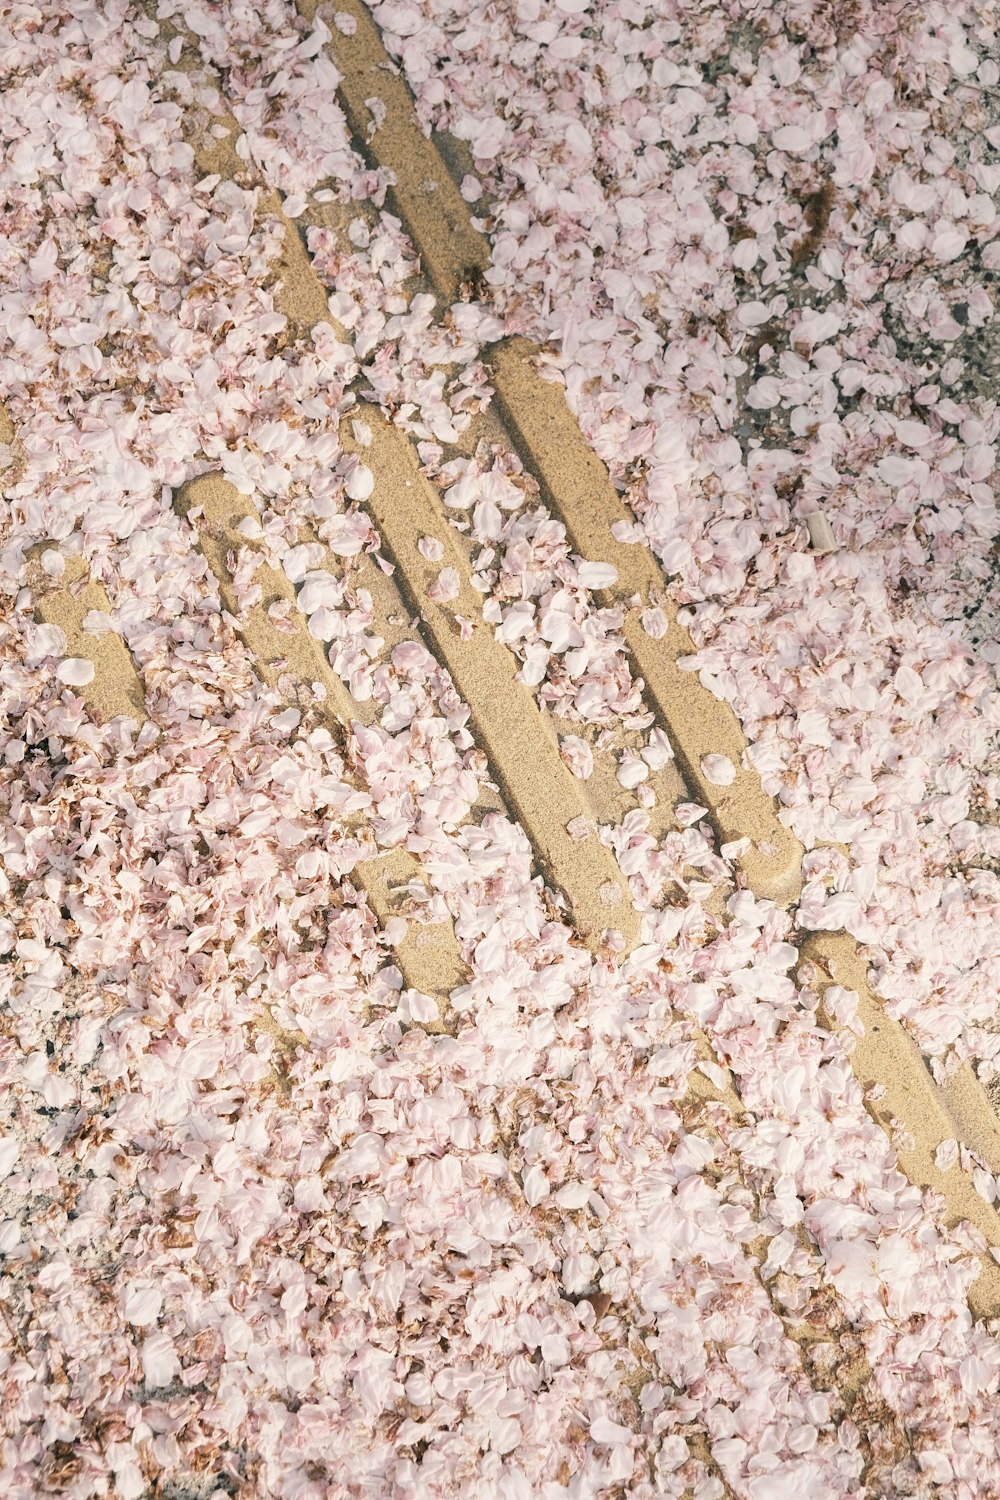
(499, 765)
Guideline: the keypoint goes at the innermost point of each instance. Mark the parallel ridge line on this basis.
(291, 662)
(579, 489)
(423, 193)
(428, 956)
(519, 742)
(730, 1098)
(116, 689)
(576, 484)
(887, 1056)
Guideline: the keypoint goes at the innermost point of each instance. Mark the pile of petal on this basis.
(262, 1233)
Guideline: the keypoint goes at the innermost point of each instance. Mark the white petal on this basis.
(10, 1152)
(577, 755)
(608, 1433)
(141, 1304)
(75, 671)
(536, 1185)
(324, 624)
(446, 587)
(160, 1365)
(791, 138)
(946, 1155)
(555, 1349)
(632, 771)
(753, 314)
(597, 575)
(718, 769)
(359, 483)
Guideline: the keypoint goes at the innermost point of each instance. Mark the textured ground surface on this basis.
(428, 1067)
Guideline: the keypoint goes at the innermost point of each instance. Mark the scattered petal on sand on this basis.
(75, 671)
